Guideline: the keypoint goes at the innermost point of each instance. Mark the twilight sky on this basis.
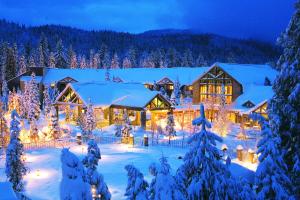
(262, 19)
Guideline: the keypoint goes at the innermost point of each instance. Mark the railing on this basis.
(49, 144)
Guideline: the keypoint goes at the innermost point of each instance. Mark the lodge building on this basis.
(247, 89)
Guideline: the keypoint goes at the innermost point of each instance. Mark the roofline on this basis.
(215, 65)
(69, 85)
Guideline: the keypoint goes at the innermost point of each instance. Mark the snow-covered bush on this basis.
(93, 177)
(53, 124)
(73, 184)
(164, 186)
(136, 185)
(170, 128)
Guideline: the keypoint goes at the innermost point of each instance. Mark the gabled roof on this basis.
(255, 94)
(134, 75)
(120, 94)
(38, 79)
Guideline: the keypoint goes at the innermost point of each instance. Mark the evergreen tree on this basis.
(82, 63)
(31, 62)
(4, 137)
(91, 58)
(14, 167)
(96, 61)
(72, 60)
(172, 58)
(53, 124)
(115, 62)
(47, 101)
(22, 65)
(93, 177)
(102, 52)
(43, 51)
(164, 186)
(73, 184)
(284, 106)
(106, 60)
(52, 61)
(136, 185)
(90, 120)
(132, 56)
(203, 173)
(126, 63)
(33, 99)
(170, 128)
(271, 178)
(41, 62)
(107, 75)
(177, 91)
(126, 129)
(187, 59)
(173, 99)
(200, 62)
(11, 63)
(34, 132)
(5, 93)
(60, 57)
(221, 124)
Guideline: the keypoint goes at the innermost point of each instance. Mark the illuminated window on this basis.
(171, 87)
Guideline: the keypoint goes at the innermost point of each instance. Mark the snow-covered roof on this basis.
(106, 94)
(7, 192)
(257, 94)
(38, 79)
(249, 73)
(186, 75)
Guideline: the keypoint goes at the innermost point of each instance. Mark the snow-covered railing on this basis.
(107, 139)
(49, 144)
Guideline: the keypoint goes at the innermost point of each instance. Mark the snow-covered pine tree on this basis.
(93, 177)
(52, 61)
(115, 62)
(187, 59)
(47, 101)
(14, 166)
(34, 132)
(126, 129)
(170, 128)
(22, 65)
(126, 63)
(31, 62)
(173, 99)
(177, 90)
(82, 63)
(73, 61)
(106, 60)
(90, 121)
(73, 184)
(132, 56)
(53, 93)
(53, 123)
(164, 186)
(283, 108)
(60, 57)
(34, 99)
(271, 179)
(5, 93)
(24, 101)
(41, 59)
(136, 185)
(200, 62)
(4, 137)
(203, 173)
(222, 122)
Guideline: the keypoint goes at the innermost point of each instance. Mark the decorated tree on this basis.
(33, 99)
(222, 122)
(93, 177)
(52, 61)
(53, 124)
(177, 91)
(164, 186)
(47, 101)
(136, 185)
(90, 121)
(170, 128)
(4, 137)
(126, 129)
(34, 132)
(203, 174)
(284, 106)
(271, 178)
(73, 184)
(5, 93)
(22, 65)
(115, 62)
(14, 167)
(126, 63)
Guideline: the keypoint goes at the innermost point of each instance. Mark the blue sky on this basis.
(262, 19)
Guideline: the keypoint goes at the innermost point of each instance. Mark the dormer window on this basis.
(248, 104)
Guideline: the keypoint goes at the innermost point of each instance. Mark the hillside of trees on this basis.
(63, 47)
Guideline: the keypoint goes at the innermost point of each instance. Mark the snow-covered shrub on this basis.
(136, 185)
(53, 124)
(73, 184)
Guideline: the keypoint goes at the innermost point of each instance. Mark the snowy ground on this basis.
(43, 181)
